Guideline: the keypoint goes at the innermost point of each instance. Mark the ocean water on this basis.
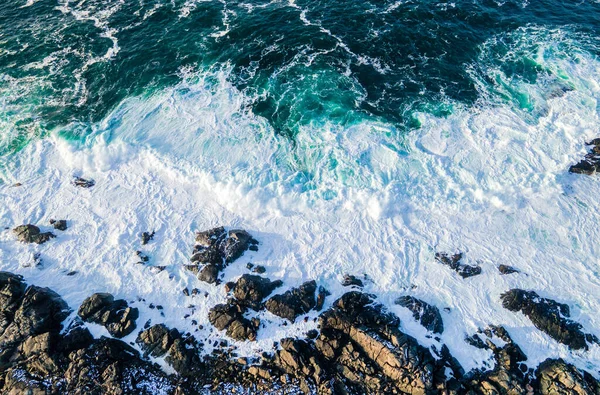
(349, 137)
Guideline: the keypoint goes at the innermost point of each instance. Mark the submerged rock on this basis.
(83, 183)
(548, 316)
(505, 269)
(294, 302)
(429, 316)
(146, 237)
(352, 281)
(32, 234)
(114, 315)
(454, 263)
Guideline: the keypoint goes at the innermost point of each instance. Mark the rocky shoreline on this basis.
(357, 349)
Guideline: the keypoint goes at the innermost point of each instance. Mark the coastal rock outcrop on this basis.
(591, 162)
(294, 302)
(115, 315)
(428, 316)
(548, 316)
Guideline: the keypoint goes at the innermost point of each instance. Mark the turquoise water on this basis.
(297, 63)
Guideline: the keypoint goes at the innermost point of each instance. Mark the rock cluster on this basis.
(548, 316)
(32, 234)
(591, 163)
(295, 302)
(114, 315)
(358, 349)
(216, 248)
(454, 262)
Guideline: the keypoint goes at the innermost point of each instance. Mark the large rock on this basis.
(32, 234)
(294, 302)
(114, 315)
(429, 316)
(548, 316)
(559, 378)
(157, 340)
(230, 316)
(250, 290)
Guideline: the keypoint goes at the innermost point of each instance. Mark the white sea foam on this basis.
(361, 200)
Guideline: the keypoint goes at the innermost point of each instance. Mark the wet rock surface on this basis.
(32, 234)
(358, 349)
(591, 162)
(454, 263)
(429, 316)
(60, 224)
(114, 315)
(294, 302)
(548, 316)
(216, 248)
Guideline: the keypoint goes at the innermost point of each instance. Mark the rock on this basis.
(146, 237)
(323, 293)
(222, 315)
(350, 280)
(294, 302)
(210, 237)
(559, 378)
(83, 183)
(505, 269)
(250, 290)
(32, 234)
(548, 316)
(259, 269)
(114, 315)
(209, 274)
(234, 246)
(428, 316)
(591, 163)
(157, 340)
(453, 262)
(60, 224)
(241, 329)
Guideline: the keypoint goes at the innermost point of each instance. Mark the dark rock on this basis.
(186, 292)
(505, 269)
(211, 237)
(548, 316)
(146, 237)
(234, 246)
(350, 280)
(250, 290)
(323, 293)
(454, 263)
(157, 340)
(32, 234)
(83, 183)
(241, 329)
(259, 269)
(114, 315)
(557, 377)
(312, 334)
(429, 316)
(208, 255)
(60, 224)
(591, 163)
(209, 274)
(222, 315)
(294, 302)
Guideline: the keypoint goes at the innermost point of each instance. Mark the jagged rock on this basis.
(505, 269)
(250, 290)
(209, 274)
(114, 315)
(548, 316)
(591, 163)
(323, 293)
(222, 315)
(350, 280)
(454, 263)
(506, 377)
(60, 224)
(241, 329)
(83, 183)
(146, 237)
(215, 248)
(157, 340)
(429, 316)
(559, 378)
(184, 357)
(294, 302)
(32, 234)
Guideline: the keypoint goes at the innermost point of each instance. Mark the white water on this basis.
(483, 181)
